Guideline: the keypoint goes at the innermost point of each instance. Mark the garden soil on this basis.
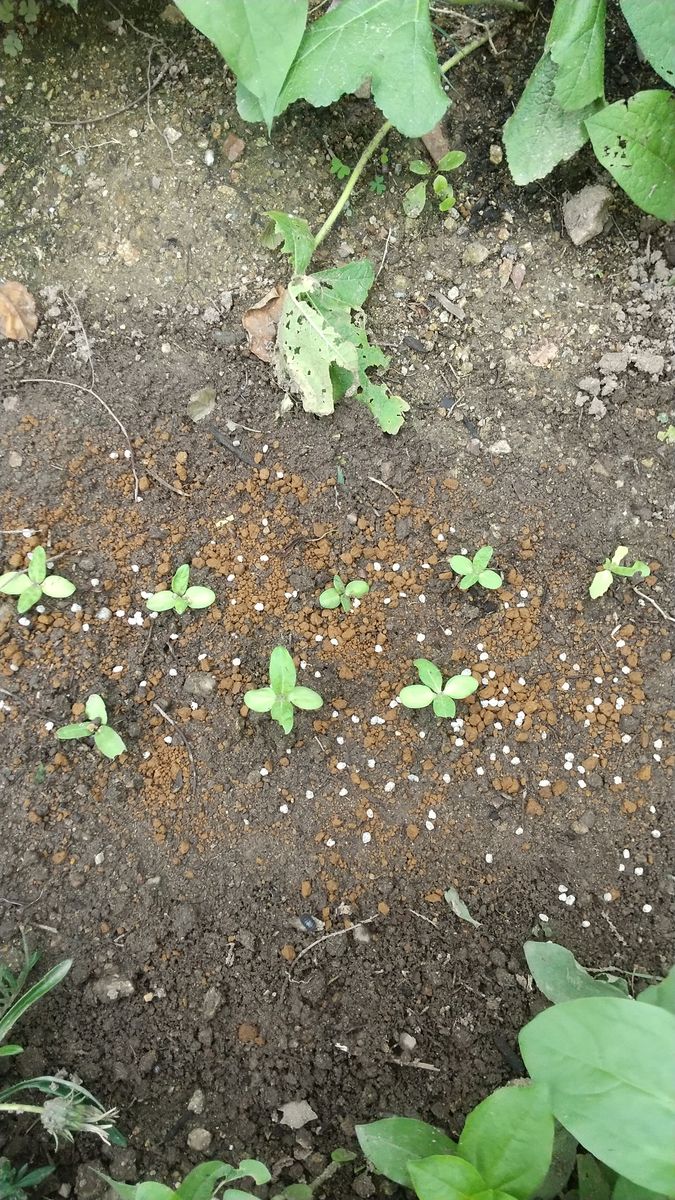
(257, 918)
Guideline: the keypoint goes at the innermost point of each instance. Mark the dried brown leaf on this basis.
(436, 142)
(518, 275)
(260, 322)
(505, 268)
(543, 356)
(18, 318)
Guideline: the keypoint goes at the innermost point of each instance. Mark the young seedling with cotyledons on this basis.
(473, 570)
(106, 740)
(603, 579)
(283, 694)
(341, 594)
(31, 583)
(431, 690)
(181, 597)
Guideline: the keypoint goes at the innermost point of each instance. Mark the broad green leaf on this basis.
(148, 1190)
(592, 1179)
(415, 199)
(490, 580)
(562, 1164)
(181, 579)
(386, 407)
(652, 23)
(199, 597)
(282, 712)
(451, 161)
(661, 994)
(447, 1177)
(348, 285)
(7, 11)
(252, 1168)
(460, 686)
(305, 698)
(634, 140)
(358, 588)
(161, 602)
(453, 898)
(58, 587)
(576, 42)
(81, 729)
(441, 186)
(338, 585)
(608, 1065)
(600, 583)
(468, 581)
(201, 1182)
(342, 1156)
(444, 706)
(12, 44)
(13, 583)
(395, 1143)
(330, 598)
(95, 709)
(419, 167)
(429, 674)
(294, 1191)
(415, 696)
(297, 239)
(625, 1190)
(482, 557)
(260, 699)
(636, 568)
(461, 564)
(282, 671)
(388, 41)
(541, 133)
(32, 1178)
(8, 1051)
(509, 1139)
(28, 597)
(560, 977)
(257, 40)
(50, 980)
(108, 742)
(235, 1194)
(37, 567)
(307, 346)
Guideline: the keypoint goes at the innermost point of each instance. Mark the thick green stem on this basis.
(385, 129)
(21, 1108)
(352, 182)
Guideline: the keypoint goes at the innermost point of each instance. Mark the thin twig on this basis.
(90, 391)
(183, 738)
(385, 485)
(25, 531)
(326, 936)
(429, 920)
(415, 1062)
(651, 600)
(56, 346)
(75, 312)
(384, 255)
(164, 482)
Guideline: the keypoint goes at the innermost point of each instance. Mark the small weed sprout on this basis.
(431, 690)
(282, 696)
(31, 583)
(472, 570)
(667, 435)
(377, 185)
(181, 597)
(416, 197)
(106, 740)
(602, 580)
(339, 169)
(341, 594)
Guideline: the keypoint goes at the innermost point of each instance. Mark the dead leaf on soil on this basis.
(458, 906)
(543, 356)
(518, 275)
(505, 269)
(18, 318)
(201, 404)
(436, 142)
(296, 1114)
(260, 322)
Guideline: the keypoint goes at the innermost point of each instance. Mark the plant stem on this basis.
(388, 125)
(509, 5)
(21, 1108)
(352, 182)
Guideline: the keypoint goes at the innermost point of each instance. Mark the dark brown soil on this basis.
(188, 865)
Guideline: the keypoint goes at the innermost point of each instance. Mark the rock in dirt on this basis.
(585, 214)
(199, 1139)
(500, 447)
(597, 408)
(212, 1002)
(614, 362)
(199, 683)
(89, 1185)
(112, 987)
(233, 147)
(296, 1114)
(475, 254)
(202, 403)
(650, 363)
(589, 384)
(363, 1186)
(184, 919)
(196, 1102)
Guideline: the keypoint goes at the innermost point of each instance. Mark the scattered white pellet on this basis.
(365, 837)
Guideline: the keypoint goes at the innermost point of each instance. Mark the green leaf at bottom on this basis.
(395, 1143)
(108, 742)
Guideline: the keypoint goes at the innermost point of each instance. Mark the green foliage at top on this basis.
(279, 58)
(106, 740)
(200, 1184)
(341, 594)
(473, 570)
(180, 597)
(32, 583)
(431, 690)
(24, 14)
(563, 104)
(603, 579)
(283, 694)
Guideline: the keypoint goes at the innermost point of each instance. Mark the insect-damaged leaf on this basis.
(635, 140)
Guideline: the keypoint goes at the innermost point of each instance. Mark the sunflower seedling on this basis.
(282, 696)
(32, 582)
(472, 570)
(341, 594)
(430, 690)
(181, 597)
(96, 725)
(416, 198)
(602, 580)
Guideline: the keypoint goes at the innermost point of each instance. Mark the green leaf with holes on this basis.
(297, 239)
(634, 140)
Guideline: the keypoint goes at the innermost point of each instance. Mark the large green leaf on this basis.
(443, 1178)
(608, 1065)
(576, 42)
(429, 673)
(625, 1190)
(592, 1179)
(388, 41)
(258, 41)
(149, 1189)
(653, 25)
(307, 347)
(635, 140)
(297, 239)
(560, 977)
(109, 742)
(393, 1144)
(509, 1139)
(541, 133)
(662, 994)
(346, 286)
